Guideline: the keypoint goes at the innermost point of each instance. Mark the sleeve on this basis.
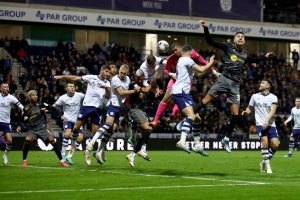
(275, 100)
(251, 59)
(17, 103)
(251, 102)
(212, 42)
(190, 62)
(87, 78)
(171, 61)
(290, 117)
(115, 82)
(59, 101)
(81, 95)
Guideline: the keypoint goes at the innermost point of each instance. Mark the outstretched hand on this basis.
(203, 23)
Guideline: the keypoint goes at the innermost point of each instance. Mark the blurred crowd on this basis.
(42, 63)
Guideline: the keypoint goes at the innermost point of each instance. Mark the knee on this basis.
(275, 144)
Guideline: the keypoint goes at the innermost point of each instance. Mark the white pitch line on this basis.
(151, 175)
(121, 188)
(186, 177)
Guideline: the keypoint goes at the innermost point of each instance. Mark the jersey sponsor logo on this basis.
(233, 58)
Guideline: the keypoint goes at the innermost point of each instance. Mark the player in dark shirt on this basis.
(34, 115)
(137, 115)
(229, 81)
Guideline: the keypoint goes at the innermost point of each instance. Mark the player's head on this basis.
(239, 39)
(105, 72)
(4, 88)
(139, 76)
(186, 50)
(297, 102)
(70, 88)
(32, 96)
(123, 72)
(265, 85)
(113, 69)
(151, 61)
(176, 49)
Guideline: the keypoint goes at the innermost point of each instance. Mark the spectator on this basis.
(295, 57)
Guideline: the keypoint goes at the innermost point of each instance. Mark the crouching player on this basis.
(34, 115)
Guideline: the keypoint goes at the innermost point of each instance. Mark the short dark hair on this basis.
(239, 32)
(151, 59)
(186, 48)
(270, 82)
(103, 67)
(4, 83)
(175, 44)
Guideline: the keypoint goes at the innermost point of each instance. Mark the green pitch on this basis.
(170, 175)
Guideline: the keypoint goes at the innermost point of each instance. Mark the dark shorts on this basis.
(70, 125)
(295, 132)
(5, 127)
(229, 87)
(136, 116)
(115, 112)
(42, 134)
(183, 100)
(270, 132)
(90, 111)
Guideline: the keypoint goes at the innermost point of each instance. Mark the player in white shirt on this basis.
(295, 115)
(186, 67)
(120, 90)
(92, 107)
(6, 101)
(265, 105)
(70, 104)
(151, 65)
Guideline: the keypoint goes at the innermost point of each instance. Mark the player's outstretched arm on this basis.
(208, 37)
(203, 68)
(67, 77)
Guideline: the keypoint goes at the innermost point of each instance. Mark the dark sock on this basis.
(57, 151)
(233, 121)
(26, 149)
(143, 140)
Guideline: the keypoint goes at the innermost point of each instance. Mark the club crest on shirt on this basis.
(226, 5)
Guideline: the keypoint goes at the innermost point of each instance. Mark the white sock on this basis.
(144, 147)
(197, 140)
(95, 137)
(226, 138)
(101, 146)
(132, 154)
(183, 137)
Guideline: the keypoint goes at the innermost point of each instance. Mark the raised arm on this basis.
(121, 91)
(68, 77)
(250, 59)
(203, 68)
(209, 39)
